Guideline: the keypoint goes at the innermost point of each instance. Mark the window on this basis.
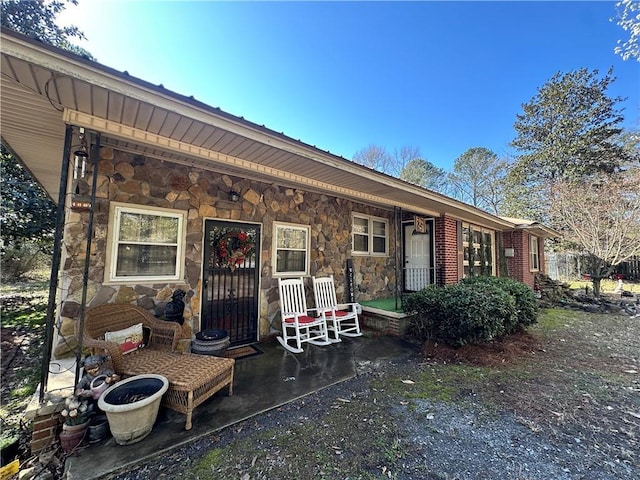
(478, 245)
(534, 258)
(291, 252)
(370, 235)
(145, 244)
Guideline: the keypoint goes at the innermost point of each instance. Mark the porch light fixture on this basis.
(234, 196)
(80, 157)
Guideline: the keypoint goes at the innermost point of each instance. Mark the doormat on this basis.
(243, 352)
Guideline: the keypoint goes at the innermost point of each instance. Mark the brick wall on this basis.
(446, 235)
(45, 429)
(518, 266)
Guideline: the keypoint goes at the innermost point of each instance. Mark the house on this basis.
(159, 192)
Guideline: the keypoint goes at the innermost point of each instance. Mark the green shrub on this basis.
(426, 309)
(526, 301)
(473, 312)
(18, 263)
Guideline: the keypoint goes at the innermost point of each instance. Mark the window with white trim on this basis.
(145, 244)
(291, 249)
(478, 251)
(534, 255)
(370, 235)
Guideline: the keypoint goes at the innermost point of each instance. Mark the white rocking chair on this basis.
(342, 319)
(297, 325)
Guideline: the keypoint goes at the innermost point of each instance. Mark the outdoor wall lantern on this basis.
(80, 159)
(234, 196)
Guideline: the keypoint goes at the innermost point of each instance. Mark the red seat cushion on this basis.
(302, 319)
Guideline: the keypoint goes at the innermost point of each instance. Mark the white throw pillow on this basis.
(130, 339)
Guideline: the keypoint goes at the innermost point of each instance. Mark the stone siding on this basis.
(201, 194)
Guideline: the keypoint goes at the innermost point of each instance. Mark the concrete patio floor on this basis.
(261, 383)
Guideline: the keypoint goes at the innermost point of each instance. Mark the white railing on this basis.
(416, 278)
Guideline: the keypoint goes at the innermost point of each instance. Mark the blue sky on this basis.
(439, 76)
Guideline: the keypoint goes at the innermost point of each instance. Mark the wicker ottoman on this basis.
(192, 378)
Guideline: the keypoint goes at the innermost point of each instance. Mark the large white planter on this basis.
(130, 419)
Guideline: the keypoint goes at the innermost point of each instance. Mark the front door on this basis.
(419, 268)
(231, 279)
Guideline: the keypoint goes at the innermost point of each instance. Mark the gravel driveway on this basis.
(566, 408)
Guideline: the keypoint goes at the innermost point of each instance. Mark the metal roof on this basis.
(43, 88)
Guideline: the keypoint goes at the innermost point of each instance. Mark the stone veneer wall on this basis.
(128, 178)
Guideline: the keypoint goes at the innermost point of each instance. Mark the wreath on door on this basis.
(232, 249)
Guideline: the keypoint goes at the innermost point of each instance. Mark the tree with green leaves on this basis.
(27, 214)
(477, 179)
(37, 19)
(569, 130)
(425, 174)
(26, 211)
(27, 218)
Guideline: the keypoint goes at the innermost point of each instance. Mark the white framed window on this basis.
(370, 235)
(145, 244)
(534, 258)
(478, 251)
(291, 249)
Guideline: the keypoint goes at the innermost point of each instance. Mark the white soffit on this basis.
(39, 80)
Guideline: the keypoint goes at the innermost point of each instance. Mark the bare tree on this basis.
(477, 178)
(602, 219)
(401, 159)
(374, 157)
(378, 158)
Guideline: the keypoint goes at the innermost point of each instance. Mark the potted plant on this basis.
(75, 415)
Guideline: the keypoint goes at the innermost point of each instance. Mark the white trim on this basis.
(157, 141)
(274, 253)
(474, 245)
(115, 211)
(370, 235)
(534, 253)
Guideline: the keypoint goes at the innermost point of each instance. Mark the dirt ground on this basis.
(561, 401)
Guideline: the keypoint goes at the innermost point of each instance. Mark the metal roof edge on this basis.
(93, 72)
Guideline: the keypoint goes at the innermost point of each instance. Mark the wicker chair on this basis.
(192, 378)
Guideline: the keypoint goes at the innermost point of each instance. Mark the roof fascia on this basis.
(157, 141)
(67, 63)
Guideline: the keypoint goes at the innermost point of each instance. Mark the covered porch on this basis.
(261, 383)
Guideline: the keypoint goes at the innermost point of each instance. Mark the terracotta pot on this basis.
(72, 436)
(75, 428)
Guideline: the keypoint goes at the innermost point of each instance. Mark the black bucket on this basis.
(211, 342)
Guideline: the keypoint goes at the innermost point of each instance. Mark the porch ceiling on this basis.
(44, 88)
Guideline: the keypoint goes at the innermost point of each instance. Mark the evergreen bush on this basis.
(526, 301)
(474, 311)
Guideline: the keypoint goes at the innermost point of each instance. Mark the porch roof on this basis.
(536, 228)
(43, 88)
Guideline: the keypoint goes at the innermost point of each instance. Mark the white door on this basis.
(417, 259)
